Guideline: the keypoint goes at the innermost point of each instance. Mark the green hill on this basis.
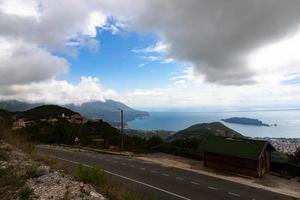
(45, 111)
(200, 130)
(107, 110)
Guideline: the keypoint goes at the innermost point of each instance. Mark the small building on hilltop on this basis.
(238, 155)
(19, 124)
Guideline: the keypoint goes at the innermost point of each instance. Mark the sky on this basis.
(153, 55)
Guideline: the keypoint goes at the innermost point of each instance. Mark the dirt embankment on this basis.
(23, 178)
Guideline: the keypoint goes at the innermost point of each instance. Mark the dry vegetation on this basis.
(113, 189)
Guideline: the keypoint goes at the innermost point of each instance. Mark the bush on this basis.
(184, 152)
(92, 175)
(135, 196)
(154, 141)
(25, 193)
(294, 157)
(3, 172)
(32, 171)
(3, 155)
(286, 169)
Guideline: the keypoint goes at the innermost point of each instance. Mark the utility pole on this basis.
(122, 130)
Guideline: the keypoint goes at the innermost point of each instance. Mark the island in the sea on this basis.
(245, 121)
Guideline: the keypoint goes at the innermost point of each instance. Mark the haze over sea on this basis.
(288, 122)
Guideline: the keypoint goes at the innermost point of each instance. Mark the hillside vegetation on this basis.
(201, 130)
(49, 126)
(46, 124)
(46, 111)
(108, 110)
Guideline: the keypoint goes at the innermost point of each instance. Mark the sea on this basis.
(287, 121)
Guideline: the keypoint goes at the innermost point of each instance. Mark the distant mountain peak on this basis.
(107, 110)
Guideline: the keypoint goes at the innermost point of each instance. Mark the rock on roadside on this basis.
(48, 183)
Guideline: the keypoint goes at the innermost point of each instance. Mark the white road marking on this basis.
(165, 174)
(178, 178)
(234, 194)
(132, 166)
(142, 168)
(130, 179)
(123, 163)
(115, 161)
(153, 171)
(213, 188)
(195, 183)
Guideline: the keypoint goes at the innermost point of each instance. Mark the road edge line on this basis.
(127, 178)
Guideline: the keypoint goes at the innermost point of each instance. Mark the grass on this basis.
(112, 189)
(25, 193)
(3, 172)
(3, 155)
(10, 183)
(91, 175)
(136, 196)
(17, 140)
(33, 171)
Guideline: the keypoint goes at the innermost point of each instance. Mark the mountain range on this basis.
(108, 110)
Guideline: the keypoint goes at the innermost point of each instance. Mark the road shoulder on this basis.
(272, 183)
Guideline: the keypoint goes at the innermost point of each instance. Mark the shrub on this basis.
(92, 175)
(285, 168)
(184, 152)
(32, 171)
(3, 172)
(294, 157)
(132, 196)
(25, 193)
(3, 155)
(135, 196)
(154, 141)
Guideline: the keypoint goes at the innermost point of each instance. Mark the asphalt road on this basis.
(167, 183)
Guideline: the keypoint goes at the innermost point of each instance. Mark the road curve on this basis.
(167, 183)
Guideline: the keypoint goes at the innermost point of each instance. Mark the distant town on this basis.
(284, 145)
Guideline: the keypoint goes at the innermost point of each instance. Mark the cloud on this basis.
(216, 36)
(167, 60)
(59, 91)
(183, 94)
(33, 34)
(159, 47)
(23, 63)
(142, 64)
(49, 23)
(225, 42)
(151, 58)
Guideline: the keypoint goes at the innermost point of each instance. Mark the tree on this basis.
(294, 157)
(155, 140)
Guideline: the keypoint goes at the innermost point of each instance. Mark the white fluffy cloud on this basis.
(51, 23)
(23, 63)
(226, 43)
(196, 94)
(30, 31)
(59, 91)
